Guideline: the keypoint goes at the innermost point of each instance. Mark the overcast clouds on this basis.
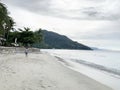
(77, 9)
(78, 19)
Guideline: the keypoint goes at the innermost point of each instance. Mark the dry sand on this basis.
(41, 72)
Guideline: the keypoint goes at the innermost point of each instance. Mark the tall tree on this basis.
(27, 37)
(3, 14)
(6, 22)
(38, 35)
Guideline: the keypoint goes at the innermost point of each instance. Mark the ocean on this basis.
(100, 65)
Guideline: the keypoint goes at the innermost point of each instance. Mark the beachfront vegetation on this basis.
(25, 37)
(12, 37)
(6, 23)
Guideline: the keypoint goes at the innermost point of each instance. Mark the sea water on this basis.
(101, 65)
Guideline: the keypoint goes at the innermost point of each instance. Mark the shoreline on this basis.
(43, 72)
(88, 72)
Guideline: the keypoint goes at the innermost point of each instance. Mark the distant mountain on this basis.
(57, 41)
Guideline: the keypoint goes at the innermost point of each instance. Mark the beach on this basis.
(41, 71)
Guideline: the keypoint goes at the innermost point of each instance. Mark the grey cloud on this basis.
(97, 14)
(85, 13)
(90, 11)
(32, 5)
(109, 30)
(99, 35)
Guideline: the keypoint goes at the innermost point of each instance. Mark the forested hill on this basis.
(57, 41)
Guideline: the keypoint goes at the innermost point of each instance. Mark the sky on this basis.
(80, 20)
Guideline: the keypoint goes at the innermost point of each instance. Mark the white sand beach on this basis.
(41, 72)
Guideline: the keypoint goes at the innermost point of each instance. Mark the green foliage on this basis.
(13, 36)
(38, 36)
(54, 40)
(6, 22)
(25, 37)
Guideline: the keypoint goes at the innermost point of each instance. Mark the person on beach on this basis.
(26, 52)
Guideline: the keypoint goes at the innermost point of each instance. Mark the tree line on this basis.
(9, 36)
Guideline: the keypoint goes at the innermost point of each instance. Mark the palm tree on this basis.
(24, 29)
(27, 36)
(3, 14)
(9, 26)
(6, 22)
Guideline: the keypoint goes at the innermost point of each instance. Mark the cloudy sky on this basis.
(78, 19)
